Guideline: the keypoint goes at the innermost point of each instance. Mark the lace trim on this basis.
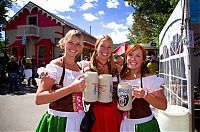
(77, 101)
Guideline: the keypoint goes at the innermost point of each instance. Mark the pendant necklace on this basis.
(101, 64)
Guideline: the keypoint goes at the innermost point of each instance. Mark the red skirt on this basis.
(107, 117)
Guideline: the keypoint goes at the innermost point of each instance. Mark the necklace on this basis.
(103, 68)
(101, 64)
(136, 74)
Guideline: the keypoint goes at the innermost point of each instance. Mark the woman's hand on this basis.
(43, 75)
(79, 84)
(156, 99)
(138, 92)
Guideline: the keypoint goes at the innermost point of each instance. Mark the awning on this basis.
(44, 42)
(17, 43)
(88, 44)
(121, 49)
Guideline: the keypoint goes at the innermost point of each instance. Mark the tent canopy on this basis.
(121, 49)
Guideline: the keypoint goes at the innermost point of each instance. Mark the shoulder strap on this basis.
(63, 72)
(141, 84)
(80, 68)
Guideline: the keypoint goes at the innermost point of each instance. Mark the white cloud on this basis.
(115, 26)
(21, 2)
(117, 37)
(10, 13)
(89, 17)
(101, 12)
(86, 6)
(126, 3)
(129, 20)
(112, 3)
(91, 0)
(51, 5)
(119, 33)
(65, 17)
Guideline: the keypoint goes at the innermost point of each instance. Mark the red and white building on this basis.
(42, 31)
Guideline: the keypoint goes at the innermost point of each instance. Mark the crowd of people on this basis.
(66, 107)
(19, 72)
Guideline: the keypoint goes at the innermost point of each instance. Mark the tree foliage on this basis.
(149, 18)
(4, 5)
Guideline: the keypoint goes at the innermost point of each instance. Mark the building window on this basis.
(57, 40)
(32, 20)
(41, 56)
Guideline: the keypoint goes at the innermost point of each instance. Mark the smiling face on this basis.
(73, 46)
(103, 55)
(135, 59)
(119, 60)
(104, 49)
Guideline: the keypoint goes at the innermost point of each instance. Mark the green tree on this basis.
(149, 18)
(4, 5)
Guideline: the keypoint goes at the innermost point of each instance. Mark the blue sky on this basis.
(111, 17)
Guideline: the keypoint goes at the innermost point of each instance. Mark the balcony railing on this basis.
(28, 30)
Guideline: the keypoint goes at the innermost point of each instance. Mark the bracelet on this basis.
(145, 93)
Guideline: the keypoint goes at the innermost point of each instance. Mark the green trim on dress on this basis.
(150, 126)
(51, 123)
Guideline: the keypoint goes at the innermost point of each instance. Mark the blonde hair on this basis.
(93, 65)
(69, 35)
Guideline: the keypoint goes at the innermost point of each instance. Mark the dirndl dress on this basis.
(61, 121)
(57, 121)
(107, 117)
(149, 123)
(146, 124)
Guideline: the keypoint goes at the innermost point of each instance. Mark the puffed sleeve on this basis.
(52, 70)
(152, 83)
(84, 64)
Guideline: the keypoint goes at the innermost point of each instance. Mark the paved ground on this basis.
(18, 112)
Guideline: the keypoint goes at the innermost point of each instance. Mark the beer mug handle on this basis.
(132, 95)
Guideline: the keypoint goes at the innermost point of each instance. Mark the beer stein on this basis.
(125, 99)
(91, 91)
(106, 88)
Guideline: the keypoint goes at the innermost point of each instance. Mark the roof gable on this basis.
(30, 6)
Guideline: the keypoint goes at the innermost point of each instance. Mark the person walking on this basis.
(34, 70)
(28, 71)
(65, 110)
(146, 91)
(13, 69)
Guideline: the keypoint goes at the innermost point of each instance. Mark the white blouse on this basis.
(150, 83)
(55, 72)
(84, 64)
